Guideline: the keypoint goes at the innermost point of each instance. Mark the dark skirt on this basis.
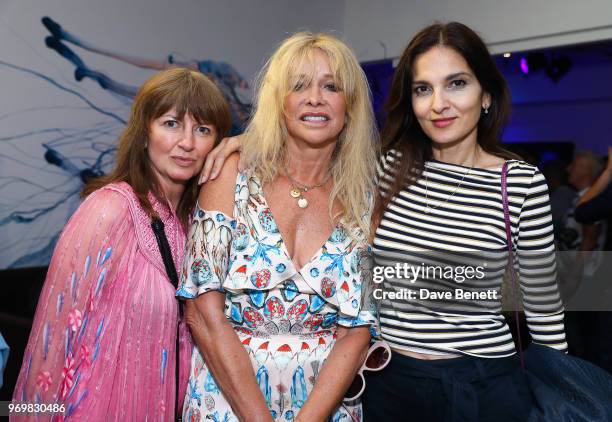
(460, 389)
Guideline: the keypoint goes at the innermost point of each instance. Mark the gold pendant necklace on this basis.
(298, 189)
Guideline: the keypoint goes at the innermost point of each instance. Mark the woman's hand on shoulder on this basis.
(217, 157)
(218, 194)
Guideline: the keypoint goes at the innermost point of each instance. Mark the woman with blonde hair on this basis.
(274, 259)
(104, 340)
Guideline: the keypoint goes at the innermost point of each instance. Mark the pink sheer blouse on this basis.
(104, 335)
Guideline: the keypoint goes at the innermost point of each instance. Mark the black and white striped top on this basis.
(453, 217)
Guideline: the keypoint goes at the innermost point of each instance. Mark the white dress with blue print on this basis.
(285, 318)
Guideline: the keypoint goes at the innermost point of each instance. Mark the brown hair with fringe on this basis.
(185, 90)
(402, 131)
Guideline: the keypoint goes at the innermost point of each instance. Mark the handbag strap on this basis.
(164, 249)
(510, 263)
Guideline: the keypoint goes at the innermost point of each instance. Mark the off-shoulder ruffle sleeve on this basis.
(363, 265)
(206, 261)
(77, 328)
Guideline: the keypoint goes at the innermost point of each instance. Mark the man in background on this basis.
(561, 194)
(594, 205)
(580, 256)
(583, 173)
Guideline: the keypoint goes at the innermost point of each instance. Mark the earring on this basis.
(486, 110)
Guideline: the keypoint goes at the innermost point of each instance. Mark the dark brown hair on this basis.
(402, 131)
(187, 91)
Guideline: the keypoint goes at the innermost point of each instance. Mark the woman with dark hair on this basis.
(104, 340)
(441, 208)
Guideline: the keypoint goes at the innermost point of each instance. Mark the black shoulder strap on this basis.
(164, 249)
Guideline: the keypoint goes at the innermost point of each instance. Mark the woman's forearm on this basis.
(230, 365)
(343, 362)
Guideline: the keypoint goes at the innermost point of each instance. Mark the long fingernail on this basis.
(202, 180)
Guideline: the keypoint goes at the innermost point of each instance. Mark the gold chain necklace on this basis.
(297, 189)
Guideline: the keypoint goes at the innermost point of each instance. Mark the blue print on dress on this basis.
(257, 297)
(297, 311)
(298, 388)
(193, 414)
(338, 416)
(316, 303)
(217, 418)
(263, 379)
(329, 319)
(252, 318)
(193, 391)
(267, 221)
(201, 272)
(338, 235)
(236, 313)
(328, 287)
(356, 259)
(262, 251)
(274, 308)
(261, 278)
(241, 237)
(182, 292)
(290, 291)
(337, 261)
(210, 386)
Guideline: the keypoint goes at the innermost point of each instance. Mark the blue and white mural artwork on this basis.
(57, 131)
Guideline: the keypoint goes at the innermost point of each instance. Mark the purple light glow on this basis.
(524, 66)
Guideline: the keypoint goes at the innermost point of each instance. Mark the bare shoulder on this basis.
(218, 194)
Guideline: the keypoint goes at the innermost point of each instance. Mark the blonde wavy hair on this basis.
(354, 160)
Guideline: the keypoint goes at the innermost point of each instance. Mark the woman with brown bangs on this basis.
(105, 335)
